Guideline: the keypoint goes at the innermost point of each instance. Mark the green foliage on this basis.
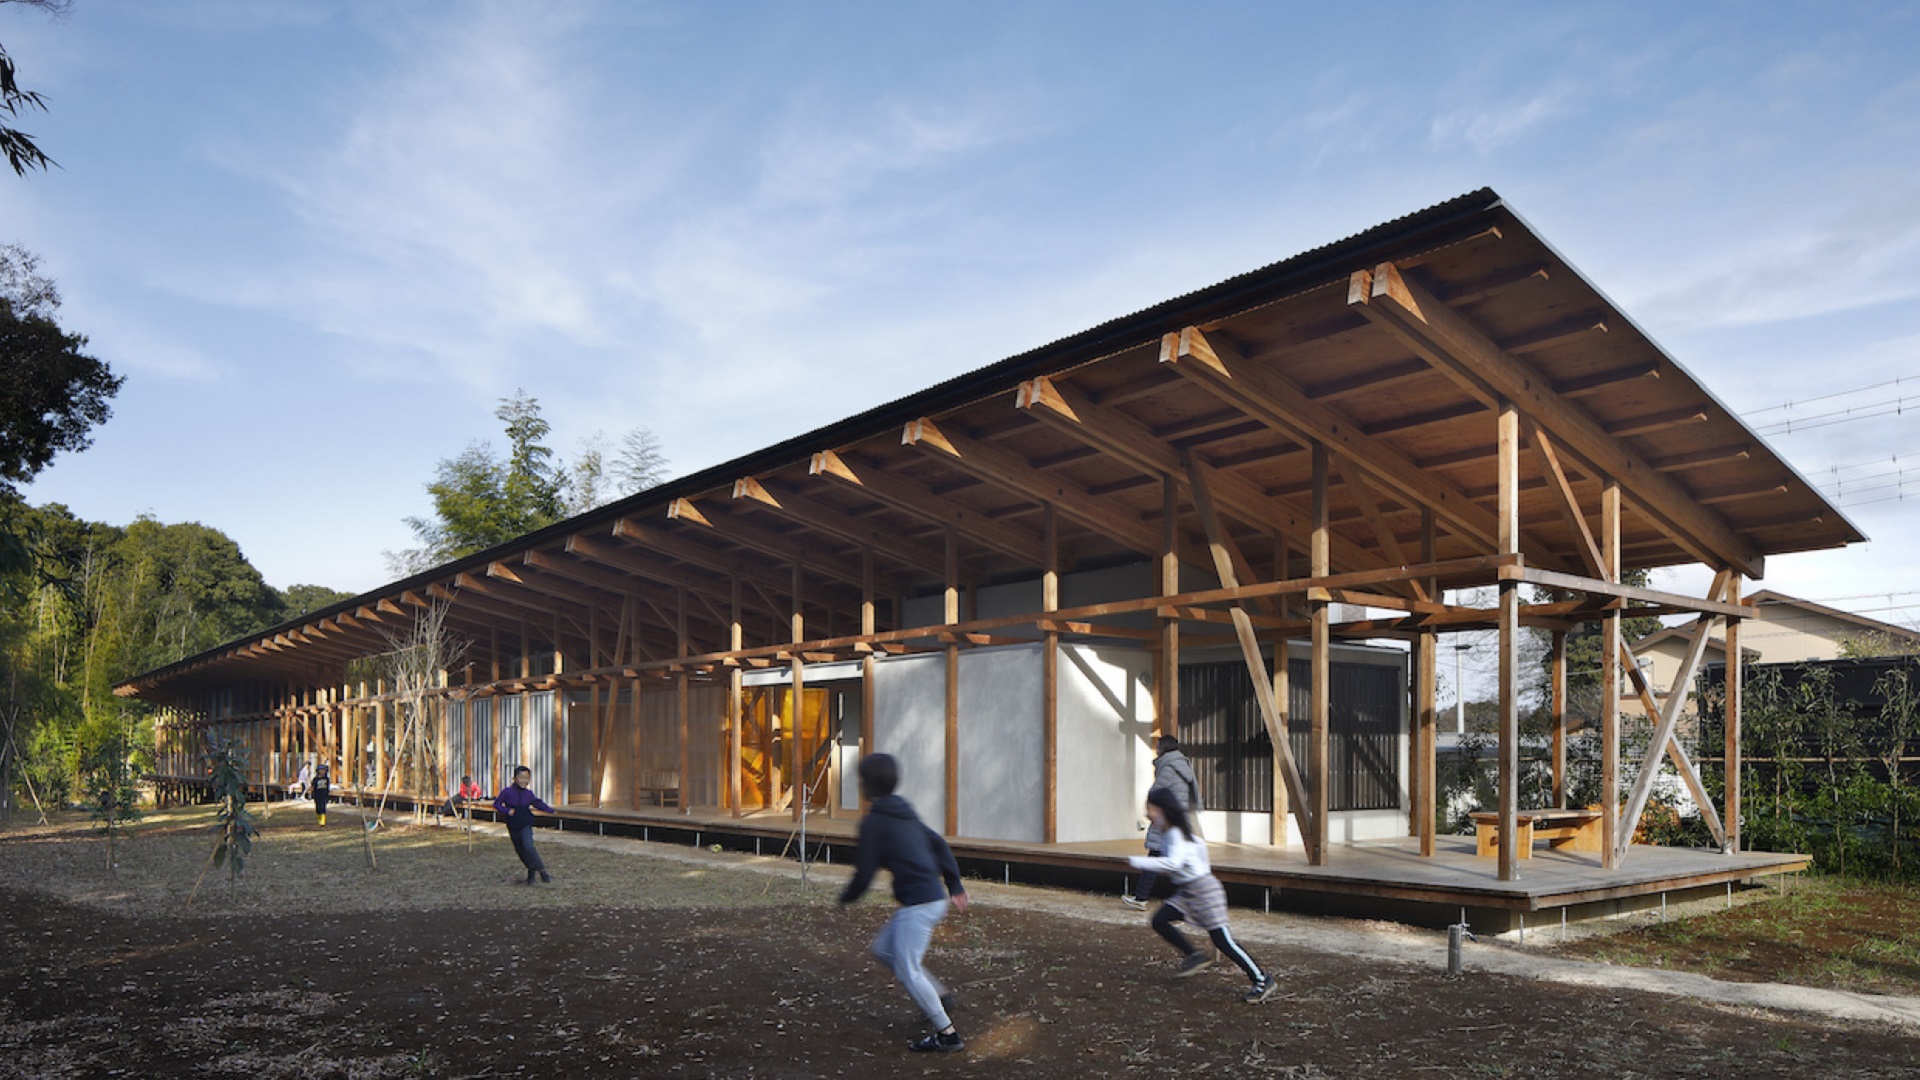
(481, 499)
(96, 604)
(22, 153)
(51, 393)
(298, 600)
(1823, 775)
(110, 765)
(227, 772)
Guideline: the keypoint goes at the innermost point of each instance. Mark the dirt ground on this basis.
(685, 963)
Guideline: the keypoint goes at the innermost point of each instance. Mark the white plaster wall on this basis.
(1105, 717)
(910, 722)
(1003, 765)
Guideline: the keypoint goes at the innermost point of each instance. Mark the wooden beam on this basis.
(1061, 406)
(835, 522)
(999, 466)
(1283, 404)
(1408, 312)
(913, 498)
(1257, 673)
(1564, 498)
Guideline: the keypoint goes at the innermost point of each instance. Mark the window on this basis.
(1221, 730)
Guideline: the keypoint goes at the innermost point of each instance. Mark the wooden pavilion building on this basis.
(1188, 520)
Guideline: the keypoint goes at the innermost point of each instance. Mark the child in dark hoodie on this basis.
(1172, 772)
(924, 875)
(516, 805)
(322, 791)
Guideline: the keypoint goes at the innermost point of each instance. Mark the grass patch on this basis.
(1821, 931)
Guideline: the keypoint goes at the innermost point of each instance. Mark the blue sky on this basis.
(322, 239)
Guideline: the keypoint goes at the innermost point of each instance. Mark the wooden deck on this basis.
(1374, 879)
(1386, 878)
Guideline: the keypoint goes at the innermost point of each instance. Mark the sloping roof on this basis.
(1240, 377)
(1768, 598)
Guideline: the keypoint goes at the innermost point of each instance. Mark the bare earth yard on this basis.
(649, 961)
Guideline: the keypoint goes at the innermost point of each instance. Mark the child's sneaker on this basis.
(1261, 991)
(1133, 901)
(1194, 964)
(945, 1044)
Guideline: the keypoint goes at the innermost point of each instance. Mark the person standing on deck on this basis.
(924, 876)
(516, 805)
(1174, 773)
(1197, 898)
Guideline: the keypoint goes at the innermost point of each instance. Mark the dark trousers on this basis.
(1143, 888)
(523, 847)
(1163, 924)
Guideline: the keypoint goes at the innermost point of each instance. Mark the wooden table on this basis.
(1577, 829)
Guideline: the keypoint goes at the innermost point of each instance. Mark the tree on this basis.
(1584, 648)
(233, 840)
(642, 463)
(111, 769)
(51, 393)
(481, 500)
(298, 600)
(22, 153)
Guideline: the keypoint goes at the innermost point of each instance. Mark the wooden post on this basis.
(1509, 617)
(1557, 708)
(1050, 669)
(1319, 762)
(796, 704)
(1426, 717)
(1282, 707)
(1731, 817)
(736, 716)
(681, 644)
(951, 615)
(379, 762)
(1169, 682)
(1610, 682)
(868, 619)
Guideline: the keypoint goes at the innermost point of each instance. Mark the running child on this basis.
(924, 876)
(1197, 896)
(516, 805)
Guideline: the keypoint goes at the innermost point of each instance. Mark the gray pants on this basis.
(902, 945)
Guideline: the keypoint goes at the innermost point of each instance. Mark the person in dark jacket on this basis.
(924, 876)
(322, 790)
(515, 804)
(1172, 773)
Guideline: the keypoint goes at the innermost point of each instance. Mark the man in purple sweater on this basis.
(924, 875)
(515, 804)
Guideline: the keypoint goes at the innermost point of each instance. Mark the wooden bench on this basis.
(659, 787)
(1576, 829)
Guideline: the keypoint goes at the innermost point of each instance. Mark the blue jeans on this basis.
(902, 945)
(523, 847)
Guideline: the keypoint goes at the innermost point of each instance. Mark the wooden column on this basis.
(1732, 764)
(736, 716)
(869, 618)
(1050, 670)
(1168, 696)
(379, 762)
(681, 643)
(951, 615)
(1282, 707)
(797, 778)
(1557, 709)
(1509, 617)
(1426, 717)
(1319, 612)
(1610, 682)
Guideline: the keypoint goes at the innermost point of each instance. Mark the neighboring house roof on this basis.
(1777, 607)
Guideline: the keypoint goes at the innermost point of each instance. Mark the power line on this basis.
(1829, 397)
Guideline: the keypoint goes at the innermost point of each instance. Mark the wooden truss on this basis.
(1438, 407)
